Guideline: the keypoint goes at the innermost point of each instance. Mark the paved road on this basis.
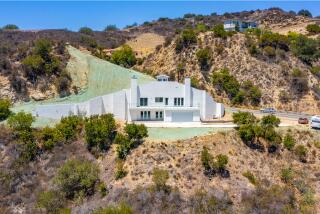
(283, 114)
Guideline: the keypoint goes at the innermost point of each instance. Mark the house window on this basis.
(145, 115)
(178, 101)
(166, 101)
(143, 101)
(159, 99)
(159, 114)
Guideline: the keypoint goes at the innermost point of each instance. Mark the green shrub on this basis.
(120, 209)
(270, 121)
(247, 133)
(306, 49)
(274, 40)
(224, 81)
(102, 189)
(250, 176)
(77, 177)
(204, 56)
(186, 38)
(313, 29)
(269, 51)
(49, 137)
(10, 27)
(111, 28)
(201, 28)
(241, 118)
(206, 158)
(28, 150)
(289, 142)
(70, 127)
(136, 132)
(99, 131)
(124, 57)
(120, 171)
(52, 201)
(5, 105)
(86, 30)
(222, 161)
(194, 82)
(287, 175)
(63, 84)
(301, 151)
(21, 121)
(219, 31)
(305, 13)
(160, 178)
(123, 147)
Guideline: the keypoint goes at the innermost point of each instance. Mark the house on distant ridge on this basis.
(237, 25)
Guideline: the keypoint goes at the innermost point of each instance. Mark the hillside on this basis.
(273, 75)
(191, 189)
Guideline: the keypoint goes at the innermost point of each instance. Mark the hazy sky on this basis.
(75, 14)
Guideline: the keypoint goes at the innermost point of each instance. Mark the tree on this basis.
(86, 30)
(111, 28)
(136, 132)
(222, 161)
(21, 121)
(120, 209)
(241, 118)
(42, 48)
(206, 158)
(270, 121)
(49, 137)
(5, 105)
(77, 177)
(313, 29)
(289, 142)
(124, 56)
(219, 31)
(224, 81)
(69, 127)
(51, 200)
(304, 12)
(187, 38)
(10, 27)
(100, 131)
(203, 56)
(160, 178)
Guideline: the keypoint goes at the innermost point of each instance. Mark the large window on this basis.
(167, 101)
(159, 99)
(145, 115)
(159, 114)
(143, 101)
(178, 101)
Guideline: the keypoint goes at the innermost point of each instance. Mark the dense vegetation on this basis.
(245, 93)
(124, 57)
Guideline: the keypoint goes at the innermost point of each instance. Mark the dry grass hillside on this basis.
(182, 159)
(271, 75)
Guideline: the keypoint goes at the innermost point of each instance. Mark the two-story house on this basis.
(160, 100)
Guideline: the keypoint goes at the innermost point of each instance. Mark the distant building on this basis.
(237, 25)
(160, 100)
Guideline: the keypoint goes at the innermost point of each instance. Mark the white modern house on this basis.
(159, 100)
(241, 26)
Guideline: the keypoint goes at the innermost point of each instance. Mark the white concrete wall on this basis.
(187, 92)
(54, 111)
(120, 105)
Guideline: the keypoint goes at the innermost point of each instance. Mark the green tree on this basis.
(111, 28)
(160, 178)
(122, 208)
(51, 200)
(222, 161)
(206, 158)
(313, 29)
(10, 27)
(100, 131)
(77, 177)
(21, 121)
(5, 105)
(86, 30)
(270, 121)
(289, 142)
(241, 118)
(224, 81)
(204, 56)
(304, 12)
(49, 137)
(136, 132)
(201, 28)
(219, 31)
(43, 48)
(124, 56)
(69, 127)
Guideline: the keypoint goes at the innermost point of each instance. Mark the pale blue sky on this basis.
(75, 14)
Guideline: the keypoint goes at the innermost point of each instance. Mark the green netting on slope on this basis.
(95, 76)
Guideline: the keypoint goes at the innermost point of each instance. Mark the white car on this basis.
(315, 122)
(268, 110)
